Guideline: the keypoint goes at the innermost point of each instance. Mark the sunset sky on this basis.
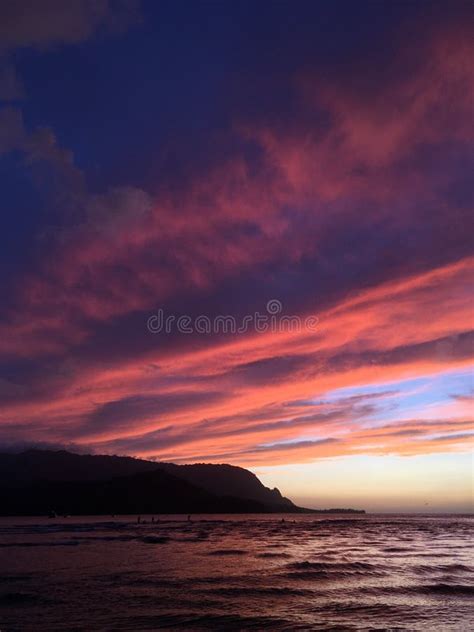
(205, 158)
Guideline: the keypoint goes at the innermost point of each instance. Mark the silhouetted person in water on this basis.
(139, 519)
(189, 518)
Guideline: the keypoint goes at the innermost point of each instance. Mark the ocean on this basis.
(237, 572)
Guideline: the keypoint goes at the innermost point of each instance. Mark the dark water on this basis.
(237, 572)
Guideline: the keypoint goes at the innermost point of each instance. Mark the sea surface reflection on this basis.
(274, 572)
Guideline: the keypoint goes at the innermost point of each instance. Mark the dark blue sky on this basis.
(148, 102)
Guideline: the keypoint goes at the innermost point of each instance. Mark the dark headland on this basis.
(39, 482)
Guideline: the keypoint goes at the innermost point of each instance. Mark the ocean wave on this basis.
(197, 621)
(105, 538)
(154, 539)
(224, 552)
(430, 569)
(39, 544)
(332, 570)
(329, 566)
(250, 591)
(449, 589)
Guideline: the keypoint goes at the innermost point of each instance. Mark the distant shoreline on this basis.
(301, 511)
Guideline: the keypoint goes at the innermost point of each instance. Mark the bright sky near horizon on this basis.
(428, 483)
(202, 160)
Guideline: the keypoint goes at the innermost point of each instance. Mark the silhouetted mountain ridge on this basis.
(39, 481)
